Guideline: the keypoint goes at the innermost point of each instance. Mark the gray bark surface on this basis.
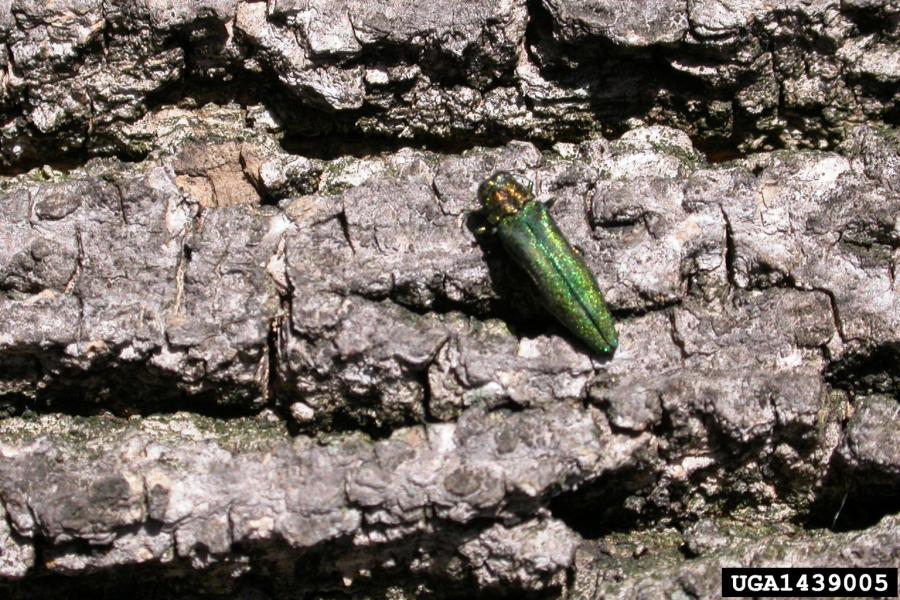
(253, 343)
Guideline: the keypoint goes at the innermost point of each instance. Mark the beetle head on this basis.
(503, 195)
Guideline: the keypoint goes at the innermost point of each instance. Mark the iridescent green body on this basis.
(566, 285)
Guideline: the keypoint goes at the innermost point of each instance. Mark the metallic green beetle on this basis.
(566, 286)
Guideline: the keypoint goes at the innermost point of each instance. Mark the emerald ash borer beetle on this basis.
(565, 284)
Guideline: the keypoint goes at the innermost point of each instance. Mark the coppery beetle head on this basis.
(503, 195)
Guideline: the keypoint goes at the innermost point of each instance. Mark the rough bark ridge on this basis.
(251, 341)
